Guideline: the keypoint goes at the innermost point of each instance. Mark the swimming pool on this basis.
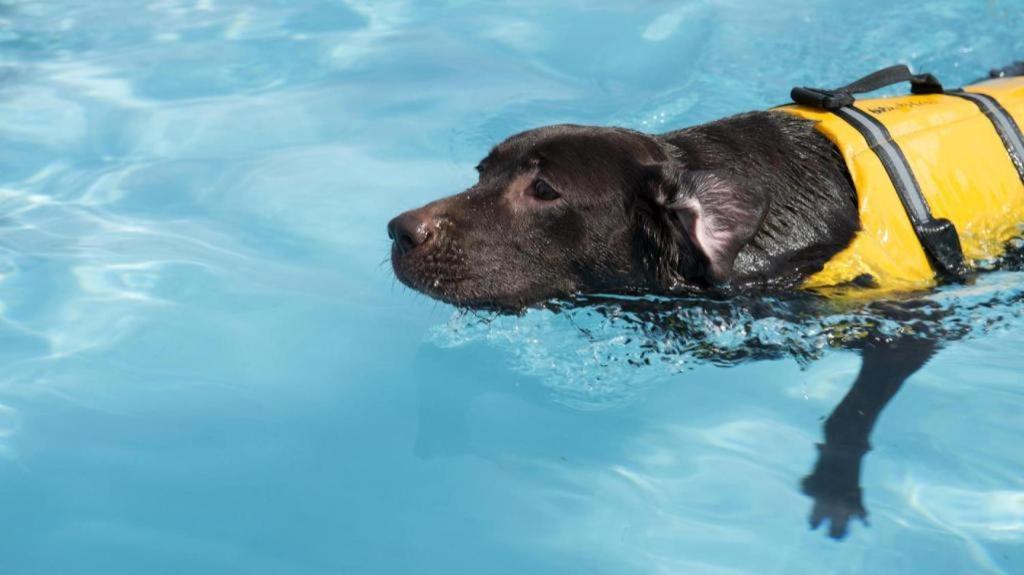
(209, 368)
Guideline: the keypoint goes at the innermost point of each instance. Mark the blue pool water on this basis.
(207, 366)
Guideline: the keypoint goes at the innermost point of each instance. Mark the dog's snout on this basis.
(409, 231)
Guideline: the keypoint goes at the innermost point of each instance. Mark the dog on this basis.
(754, 203)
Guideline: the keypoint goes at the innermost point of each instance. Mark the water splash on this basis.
(598, 352)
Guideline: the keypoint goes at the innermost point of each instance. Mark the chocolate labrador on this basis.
(754, 202)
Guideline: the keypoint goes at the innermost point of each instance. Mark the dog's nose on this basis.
(409, 230)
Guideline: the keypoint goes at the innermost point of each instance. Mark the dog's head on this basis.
(571, 209)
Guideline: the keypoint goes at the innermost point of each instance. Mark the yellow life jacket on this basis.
(967, 171)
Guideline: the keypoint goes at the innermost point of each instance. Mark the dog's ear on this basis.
(717, 214)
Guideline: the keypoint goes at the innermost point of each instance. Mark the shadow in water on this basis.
(895, 338)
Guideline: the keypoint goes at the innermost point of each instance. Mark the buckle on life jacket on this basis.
(821, 98)
(942, 243)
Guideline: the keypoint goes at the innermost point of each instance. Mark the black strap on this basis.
(834, 99)
(938, 237)
(1015, 69)
(1007, 128)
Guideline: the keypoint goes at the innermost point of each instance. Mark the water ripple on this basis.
(603, 353)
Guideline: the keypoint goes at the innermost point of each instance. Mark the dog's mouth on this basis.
(443, 271)
(431, 271)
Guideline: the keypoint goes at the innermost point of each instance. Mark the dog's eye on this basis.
(544, 192)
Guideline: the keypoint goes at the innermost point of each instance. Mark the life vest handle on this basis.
(825, 99)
